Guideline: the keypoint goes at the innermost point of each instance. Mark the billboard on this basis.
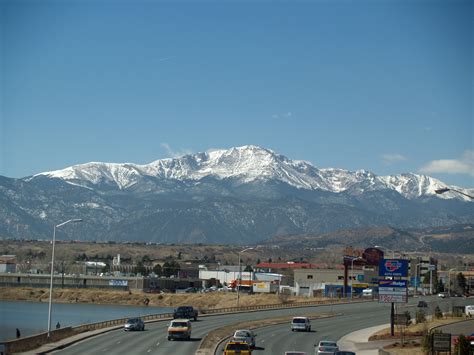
(393, 268)
(393, 291)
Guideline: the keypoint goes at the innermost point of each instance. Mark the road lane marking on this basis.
(157, 344)
(149, 351)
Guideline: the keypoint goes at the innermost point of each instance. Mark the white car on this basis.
(245, 335)
(326, 347)
(301, 323)
(442, 295)
(469, 311)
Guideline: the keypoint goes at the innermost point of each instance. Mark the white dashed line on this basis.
(149, 351)
(157, 344)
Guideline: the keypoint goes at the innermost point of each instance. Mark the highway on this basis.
(270, 340)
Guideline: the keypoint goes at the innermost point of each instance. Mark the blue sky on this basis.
(381, 85)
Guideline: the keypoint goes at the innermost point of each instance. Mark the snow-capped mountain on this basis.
(249, 164)
(243, 194)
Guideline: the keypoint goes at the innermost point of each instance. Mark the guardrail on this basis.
(37, 340)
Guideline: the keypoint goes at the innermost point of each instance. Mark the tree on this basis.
(460, 283)
(171, 268)
(463, 346)
(146, 259)
(248, 268)
(140, 269)
(157, 269)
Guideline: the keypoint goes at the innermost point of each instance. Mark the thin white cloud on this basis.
(462, 165)
(389, 159)
(282, 115)
(165, 59)
(175, 153)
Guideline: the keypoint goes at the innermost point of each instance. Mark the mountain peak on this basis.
(246, 164)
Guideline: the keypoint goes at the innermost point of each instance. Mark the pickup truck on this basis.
(185, 312)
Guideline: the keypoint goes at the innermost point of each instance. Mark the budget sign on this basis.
(393, 267)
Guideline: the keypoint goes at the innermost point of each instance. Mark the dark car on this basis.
(185, 312)
(422, 304)
(134, 324)
(344, 353)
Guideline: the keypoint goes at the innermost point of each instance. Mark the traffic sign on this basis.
(393, 298)
(441, 342)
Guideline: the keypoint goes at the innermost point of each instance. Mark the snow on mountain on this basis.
(248, 164)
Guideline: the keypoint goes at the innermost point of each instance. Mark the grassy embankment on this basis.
(136, 298)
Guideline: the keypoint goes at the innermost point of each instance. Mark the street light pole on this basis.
(449, 281)
(352, 273)
(240, 275)
(52, 271)
(417, 267)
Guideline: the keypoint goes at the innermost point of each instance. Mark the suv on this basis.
(237, 347)
(301, 323)
(185, 312)
(179, 329)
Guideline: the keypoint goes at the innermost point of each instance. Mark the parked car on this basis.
(185, 312)
(237, 347)
(134, 324)
(442, 295)
(179, 329)
(245, 335)
(422, 304)
(326, 347)
(469, 310)
(301, 323)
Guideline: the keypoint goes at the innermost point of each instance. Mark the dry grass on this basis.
(136, 298)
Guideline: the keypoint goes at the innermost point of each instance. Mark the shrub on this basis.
(437, 312)
(420, 316)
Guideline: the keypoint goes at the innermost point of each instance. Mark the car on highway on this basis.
(134, 324)
(301, 323)
(469, 310)
(422, 304)
(245, 335)
(179, 329)
(185, 312)
(237, 347)
(326, 347)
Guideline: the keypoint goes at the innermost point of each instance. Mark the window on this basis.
(309, 276)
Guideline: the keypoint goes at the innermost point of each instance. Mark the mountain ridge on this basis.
(247, 164)
(239, 195)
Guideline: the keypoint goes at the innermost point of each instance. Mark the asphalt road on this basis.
(270, 340)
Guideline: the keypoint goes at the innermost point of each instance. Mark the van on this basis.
(469, 311)
(179, 329)
(300, 323)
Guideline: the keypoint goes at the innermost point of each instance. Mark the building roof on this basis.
(287, 265)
